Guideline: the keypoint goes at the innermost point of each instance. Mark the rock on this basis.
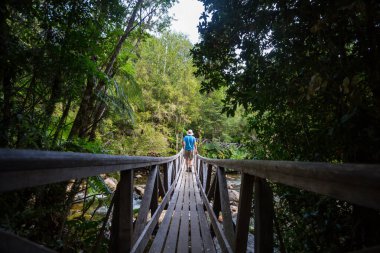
(102, 210)
(138, 176)
(79, 197)
(233, 196)
(230, 186)
(111, 183)
(139, 190)
(251, 243)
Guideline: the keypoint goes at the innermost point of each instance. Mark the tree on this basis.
(164, 72)
(301, 64)
(308, 72)
(142, 17)
(56, 56)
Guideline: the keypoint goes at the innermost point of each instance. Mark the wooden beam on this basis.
(205, 229)
(222, 239)
(170, 173)
(145, 204)
(12, 243)
(263, 216)
(174, 174)
(159, 240)
(211, 190)
(161, 188)
(144, 237)
(198, 166)
(200, 175)
(244, 212)
(204, 174)
(228, 225)
(355, 183)
(216, 198)
(208, 179)
(154, 201)
(166, 176)
(122, 227)
(26, 168)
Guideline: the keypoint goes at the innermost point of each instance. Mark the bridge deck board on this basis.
(184, 227)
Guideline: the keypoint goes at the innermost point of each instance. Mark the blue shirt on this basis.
(189, 142)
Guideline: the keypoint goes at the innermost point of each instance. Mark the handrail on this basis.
(25, 168)
(356, 183)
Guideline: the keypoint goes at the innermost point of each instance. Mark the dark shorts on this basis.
(189, 154)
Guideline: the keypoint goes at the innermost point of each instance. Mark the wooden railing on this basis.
(26, 168)
(355, 183)
(358, 184)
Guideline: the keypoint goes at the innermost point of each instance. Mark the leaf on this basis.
(97, 185)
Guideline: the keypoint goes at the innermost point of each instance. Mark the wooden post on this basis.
(179, 164)
(204, 174)
(166, 176)
(208, 179)
(154, 201)
(201, 172)
(198, 166)
(228, 225)
(146, 203)
(263, 216)
(174, 169)
(216, 203)
(122, 221)
(161, 185)
(213, 185)
(243, 219)
(170, 175)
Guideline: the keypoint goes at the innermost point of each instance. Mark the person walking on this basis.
(189, 144)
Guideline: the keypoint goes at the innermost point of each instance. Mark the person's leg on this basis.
(187, 158)
(191, 156)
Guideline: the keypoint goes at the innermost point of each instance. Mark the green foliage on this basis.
(163, 94)
(97, 186)
(220, 150)
(302, 71)
(83, 224)
(82, 235)
(307, 74)
(53, 56)
(147, 140)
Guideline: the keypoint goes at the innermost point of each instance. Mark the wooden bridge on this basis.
(193, 200)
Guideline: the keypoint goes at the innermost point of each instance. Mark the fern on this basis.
(98, 186)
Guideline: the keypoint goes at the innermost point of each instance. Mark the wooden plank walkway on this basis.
(184, 227)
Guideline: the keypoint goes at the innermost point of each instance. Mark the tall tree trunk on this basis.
(82, 122)
(83, 111)
(100, 112)
(56, 92)
(122, 39)
(62, 121)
